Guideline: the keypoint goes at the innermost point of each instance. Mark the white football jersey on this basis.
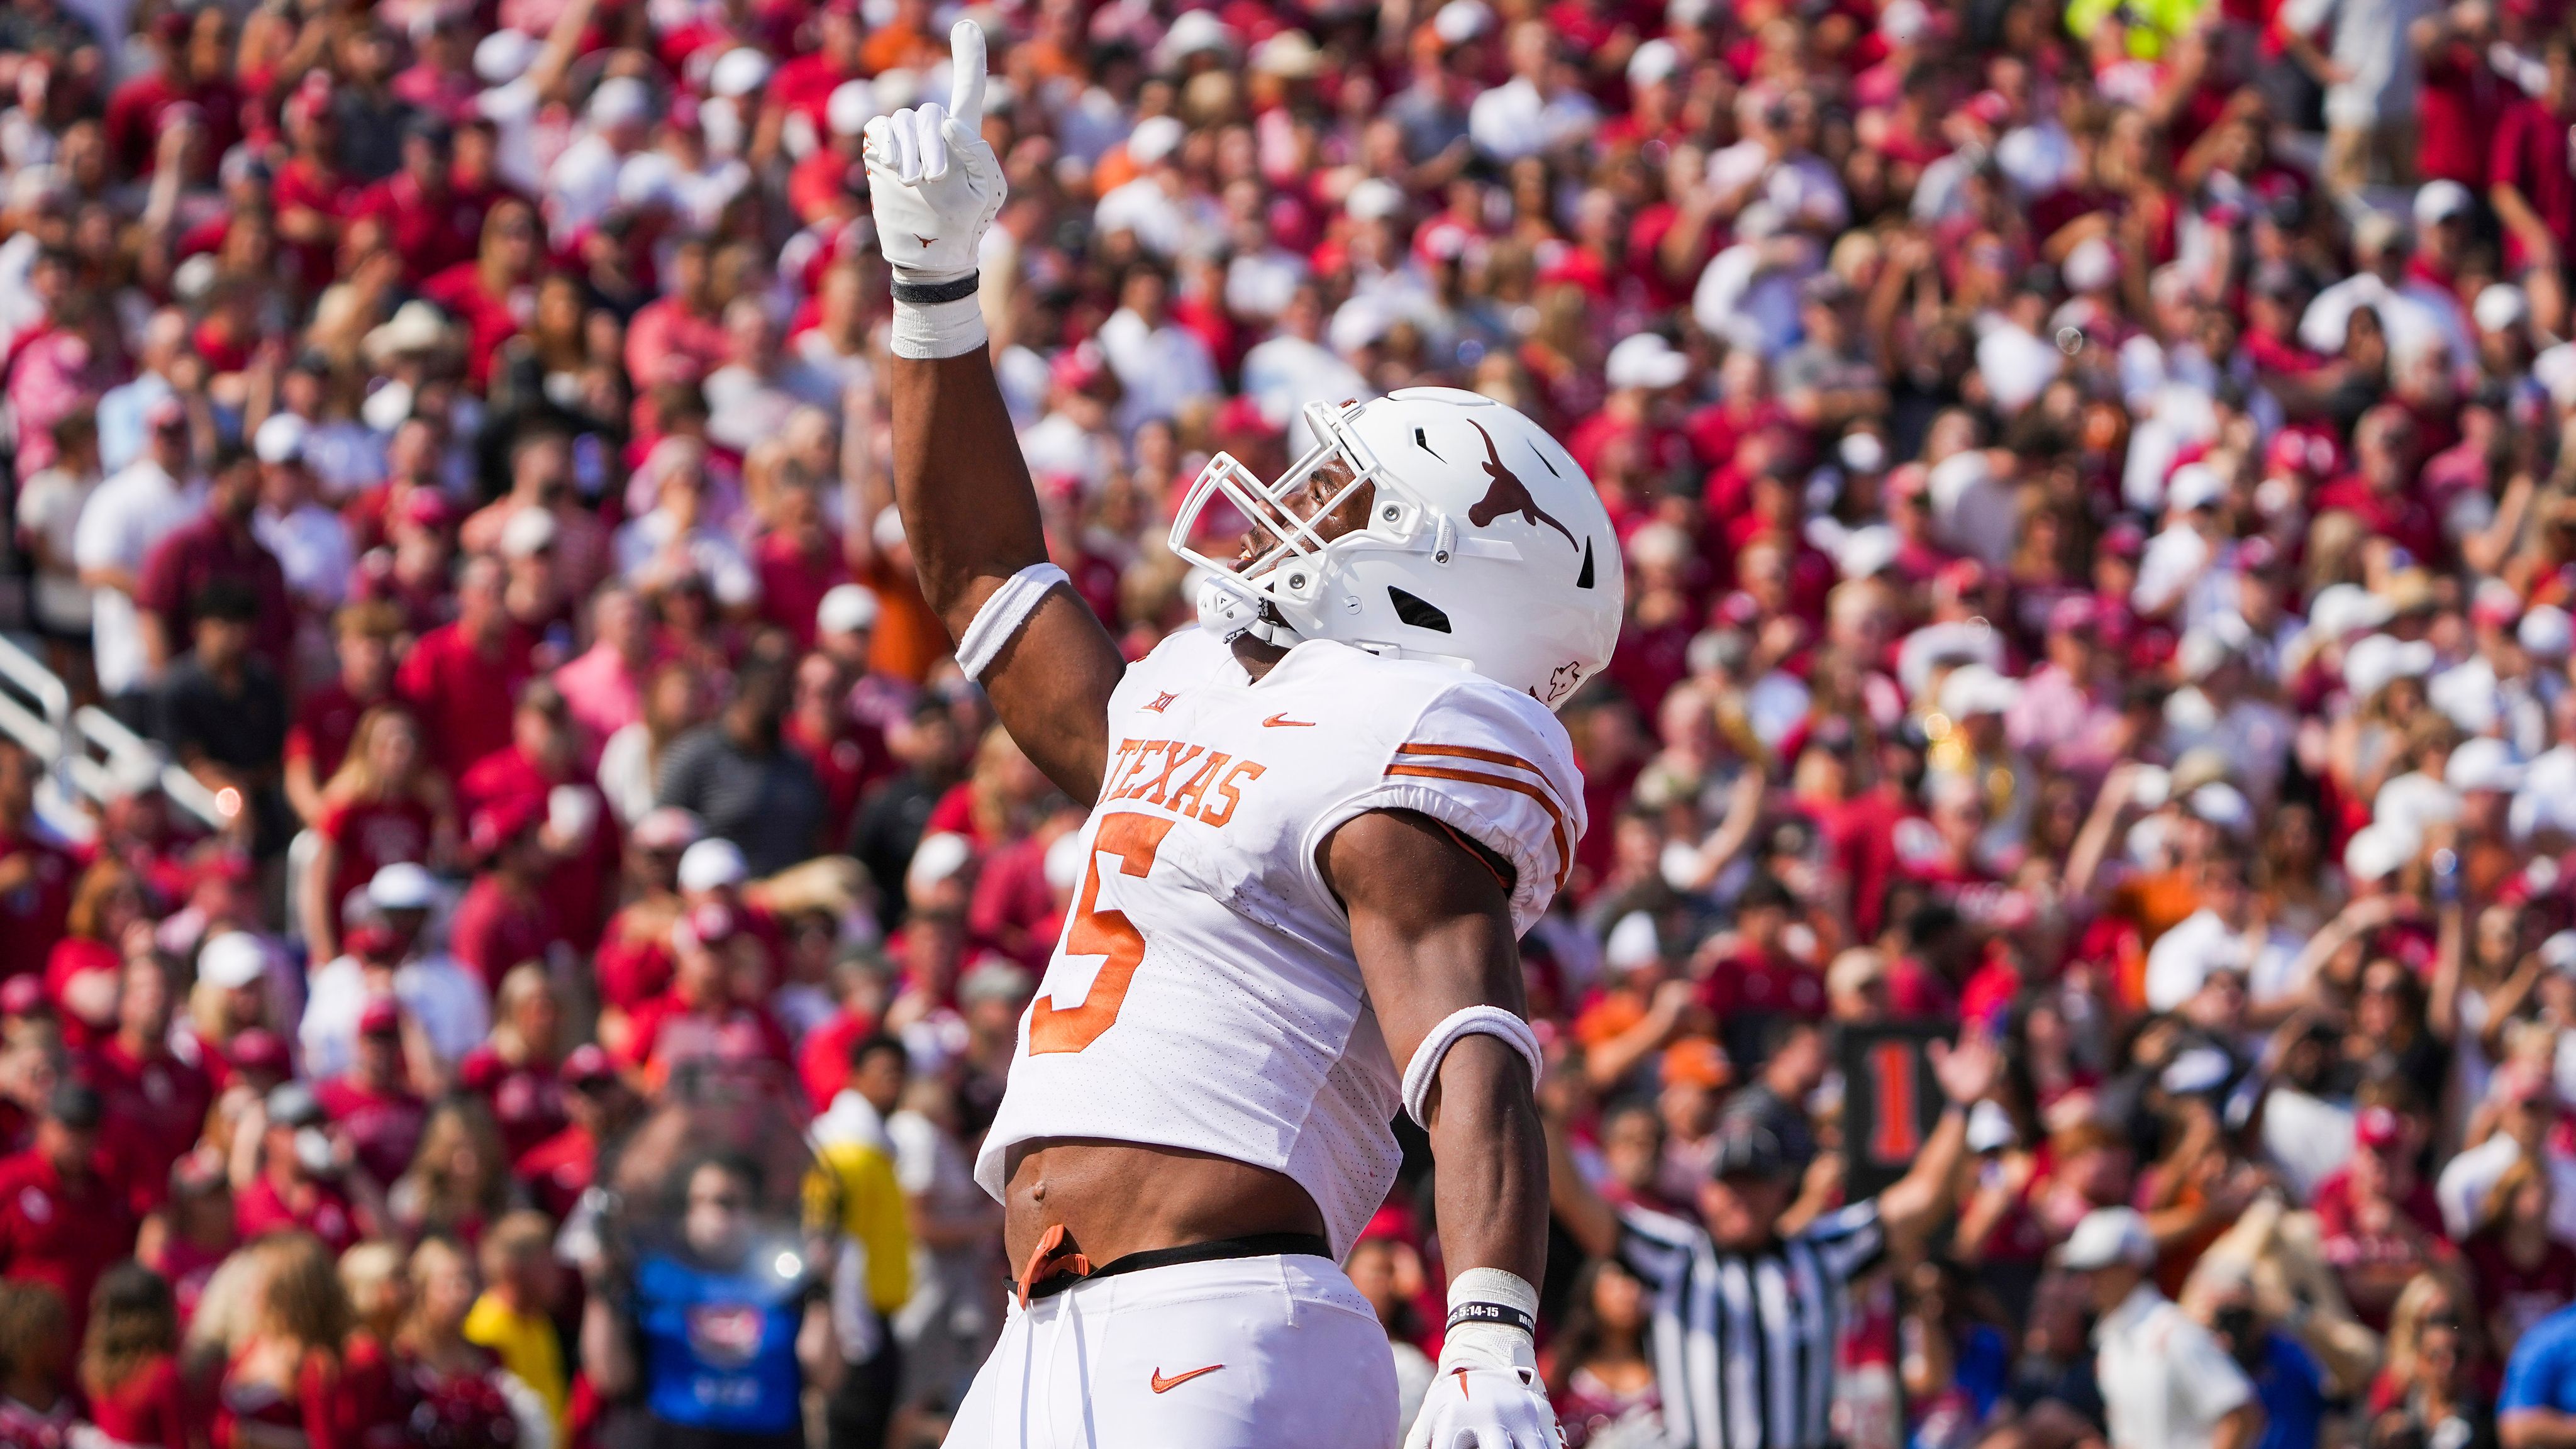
(1204, 994)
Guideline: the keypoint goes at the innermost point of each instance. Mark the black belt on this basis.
(1251, 1245)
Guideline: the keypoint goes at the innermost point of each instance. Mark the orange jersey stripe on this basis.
(1547, 802)
(1470, 752)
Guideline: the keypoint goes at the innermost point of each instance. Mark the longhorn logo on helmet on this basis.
(1508, 494)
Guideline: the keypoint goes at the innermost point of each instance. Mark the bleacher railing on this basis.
(90, 755)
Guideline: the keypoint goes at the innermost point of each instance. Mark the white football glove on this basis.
(935, 187)
(1481, 1408)
(1487, 1394)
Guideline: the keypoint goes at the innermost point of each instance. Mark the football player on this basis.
(1320, 823)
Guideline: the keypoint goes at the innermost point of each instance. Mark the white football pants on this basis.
(1243, 1353)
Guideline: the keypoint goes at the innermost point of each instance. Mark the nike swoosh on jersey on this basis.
(1164, 1385)
(1281, 721)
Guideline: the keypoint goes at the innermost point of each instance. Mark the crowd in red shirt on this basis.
(2099, 554)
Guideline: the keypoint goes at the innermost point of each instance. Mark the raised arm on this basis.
(563, 44)
(2442, 1011)
(1586, 1215)
(1431, 924)
(2093, 842)
(970, 515)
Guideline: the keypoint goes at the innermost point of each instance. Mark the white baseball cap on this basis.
(2108, 1236)
(2199, 1068)
(648, 179)
(896, 89)
(529, 532)
(281, 438)
(2555, 370)
(2373, 663)
(2439, 200)
(503, 56)
(1646, 360)
(2546, 631)
(1374, 199)
(402, 886)
(1461, 21)
(1867, 549)
(997, 979)
(1195, 31)
(233, 960)
(620, 100)
(2482, 764)
(1656, 60)
(1974, 689)
(852, 105)
(738, 72)
(936, 859)
(2202, 650)
(1290, 54)
(2376, 851)
(713, 864)
(2222, 805)
(1632, 943)
(2558, 953)
(2194, 485)
(2500, 305)
(2091, 266)
(846, 609)
(1064, 861)
(2341, 609)
(1990, 1128)
(2467, 695)
(2413, 801)
(1154, 138)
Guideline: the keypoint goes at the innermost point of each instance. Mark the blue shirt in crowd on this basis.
(2542, 1372)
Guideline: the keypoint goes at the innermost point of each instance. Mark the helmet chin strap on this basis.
(1231, 613)
(1271, 629)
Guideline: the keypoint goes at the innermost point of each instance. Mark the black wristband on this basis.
(1475, 1312)
(923, 294)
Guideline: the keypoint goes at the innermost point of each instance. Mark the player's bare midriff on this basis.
(1116, 1198)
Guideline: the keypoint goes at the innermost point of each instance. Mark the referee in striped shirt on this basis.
(1747, 1319)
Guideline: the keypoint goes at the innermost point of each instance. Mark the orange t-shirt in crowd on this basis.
(909, 638)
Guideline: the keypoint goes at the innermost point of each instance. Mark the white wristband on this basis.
(1423, 1071)
(934, 330)
(1002, 615)
(1491, 1333)
(1494, 1285)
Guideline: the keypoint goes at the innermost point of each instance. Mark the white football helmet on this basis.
(1485, 545)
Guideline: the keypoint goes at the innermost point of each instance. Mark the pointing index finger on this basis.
(966, 74)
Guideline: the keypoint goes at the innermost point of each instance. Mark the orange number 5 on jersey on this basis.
(1106, 933)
